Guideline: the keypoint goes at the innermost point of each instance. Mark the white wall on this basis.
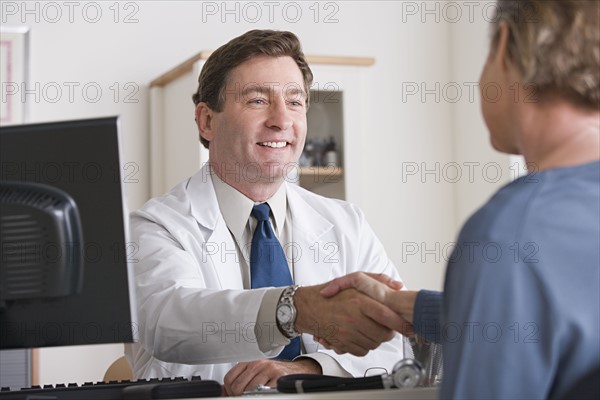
(482, 168)
(415, 215)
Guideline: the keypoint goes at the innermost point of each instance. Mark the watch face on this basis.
(285, 313)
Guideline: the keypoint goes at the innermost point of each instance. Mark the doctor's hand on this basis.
(381, 288)
(245, 376)
(349, 322)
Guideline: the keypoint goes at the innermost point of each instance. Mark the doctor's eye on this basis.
(258, 101)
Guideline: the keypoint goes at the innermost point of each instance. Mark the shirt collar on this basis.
(278, 204)
(236, 207)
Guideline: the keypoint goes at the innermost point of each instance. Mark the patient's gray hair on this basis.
(555, 45)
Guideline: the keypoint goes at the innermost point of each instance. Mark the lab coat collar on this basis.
(216, 237)
(200, 187)
(309, 227)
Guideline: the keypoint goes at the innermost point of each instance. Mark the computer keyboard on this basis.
(166, 388)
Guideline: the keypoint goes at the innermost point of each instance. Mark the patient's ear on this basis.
(204, 116)
(501, 51)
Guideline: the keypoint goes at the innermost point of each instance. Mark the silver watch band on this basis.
(287, 297)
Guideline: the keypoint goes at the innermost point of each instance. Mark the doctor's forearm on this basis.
(207, 335)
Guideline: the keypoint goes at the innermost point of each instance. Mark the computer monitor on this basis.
(80, 160)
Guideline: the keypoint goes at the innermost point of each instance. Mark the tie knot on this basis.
(261, 212)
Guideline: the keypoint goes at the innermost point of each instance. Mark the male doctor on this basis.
(204, 302)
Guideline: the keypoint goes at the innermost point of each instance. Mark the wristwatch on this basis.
(286, 312)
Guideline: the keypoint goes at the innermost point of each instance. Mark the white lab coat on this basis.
(194, 315)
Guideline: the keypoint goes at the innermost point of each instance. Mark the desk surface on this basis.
(395, 394)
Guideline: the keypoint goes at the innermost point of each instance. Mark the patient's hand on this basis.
(376, 286)
(245, 376)
(381, 288)
(350, 321)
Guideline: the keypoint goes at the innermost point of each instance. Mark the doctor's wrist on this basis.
(304, 300)
(309, 365)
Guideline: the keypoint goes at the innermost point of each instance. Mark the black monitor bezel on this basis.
(82, 158)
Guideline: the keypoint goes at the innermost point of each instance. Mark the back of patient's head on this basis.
(555, 46)
(215, 72)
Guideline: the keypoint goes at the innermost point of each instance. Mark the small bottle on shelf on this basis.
(330, 157)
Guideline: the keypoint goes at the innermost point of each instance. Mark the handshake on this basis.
(355, 313)
(352, 314)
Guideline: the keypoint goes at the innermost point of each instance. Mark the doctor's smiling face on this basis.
(262, 125)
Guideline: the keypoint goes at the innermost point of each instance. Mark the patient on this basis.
(521, 308)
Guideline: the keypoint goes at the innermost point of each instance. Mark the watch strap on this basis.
(287, 297)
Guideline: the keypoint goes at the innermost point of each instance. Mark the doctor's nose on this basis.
(279, 116)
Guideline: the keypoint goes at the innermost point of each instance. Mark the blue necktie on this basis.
(268, 266)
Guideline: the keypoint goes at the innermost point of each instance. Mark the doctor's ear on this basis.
(204, 119)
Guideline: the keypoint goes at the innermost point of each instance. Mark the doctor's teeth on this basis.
(274, 144)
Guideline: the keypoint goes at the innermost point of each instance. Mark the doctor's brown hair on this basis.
(215, 72)
(555, 45)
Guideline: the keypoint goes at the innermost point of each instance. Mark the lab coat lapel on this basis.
(310, 241)
(218, 245)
